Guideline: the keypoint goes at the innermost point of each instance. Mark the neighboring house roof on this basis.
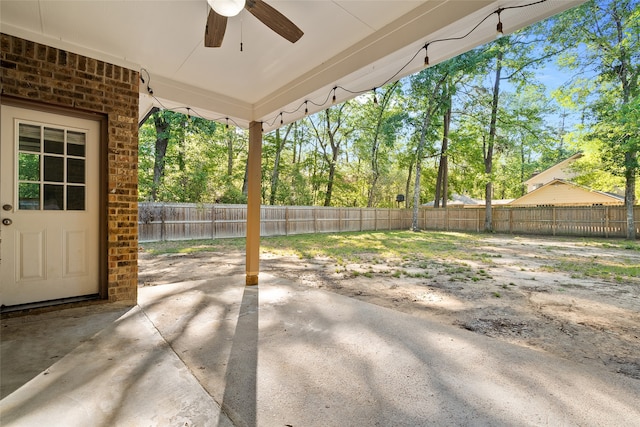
(561, 192)
(558, 171)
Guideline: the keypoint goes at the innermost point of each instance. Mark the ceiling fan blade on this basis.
(214, 31)
(274, 20)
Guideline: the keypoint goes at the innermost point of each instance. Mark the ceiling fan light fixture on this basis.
(227, 8)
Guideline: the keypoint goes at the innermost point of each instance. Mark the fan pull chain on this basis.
(241, 28)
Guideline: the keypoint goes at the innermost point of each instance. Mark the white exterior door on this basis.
(49, 202)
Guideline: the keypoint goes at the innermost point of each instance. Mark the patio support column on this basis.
(254, 176)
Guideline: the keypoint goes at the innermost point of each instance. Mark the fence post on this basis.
(361, 209)
(315, 220)
(446, 219)
(510, 220)
(375, 219)
(286, 220)
(213, 222)
(424, 219)
(494, 222)
(162, 225)
(553, 222)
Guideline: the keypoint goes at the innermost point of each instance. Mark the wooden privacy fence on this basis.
(183, 221)
(584, 221)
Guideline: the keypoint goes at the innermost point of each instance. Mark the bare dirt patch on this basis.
(515, 289)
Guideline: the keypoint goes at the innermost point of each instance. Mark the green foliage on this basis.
(363, 153)
(602, 44)
(196, 160)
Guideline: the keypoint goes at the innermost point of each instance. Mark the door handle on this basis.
(7, 221)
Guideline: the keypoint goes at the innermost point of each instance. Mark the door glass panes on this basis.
(54, 141)
(53, 197)
(28, 167)
(29, 196)
(51, 168)
(75, 143)
(29, 137)
(75, 197)
(75, 171)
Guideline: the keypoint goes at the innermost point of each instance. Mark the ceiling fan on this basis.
(221, 10)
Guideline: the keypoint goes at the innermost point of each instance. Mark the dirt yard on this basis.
(515, 289)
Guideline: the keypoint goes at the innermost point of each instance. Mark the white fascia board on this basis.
(184, 98)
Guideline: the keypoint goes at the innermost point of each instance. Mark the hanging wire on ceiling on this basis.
(332, 92)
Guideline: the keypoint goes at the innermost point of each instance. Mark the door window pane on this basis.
(75, 198)
(28, 167)
(53, 169)
(53, 197)
(76, 143)
(29, 196)
(28, 137)
(53, 141)
(75, 171)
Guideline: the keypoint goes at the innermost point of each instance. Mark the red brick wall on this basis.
(41, 73)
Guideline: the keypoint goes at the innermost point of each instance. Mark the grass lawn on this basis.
(422, 248)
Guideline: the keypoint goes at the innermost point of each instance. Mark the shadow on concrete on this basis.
(241, 380)
(217, 353)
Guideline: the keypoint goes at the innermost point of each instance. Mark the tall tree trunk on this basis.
(442, 180)
(407, 185)
(245, 181)
(375, 170)
(445, 180)
(332, 174)
(296, 139)
(488, 147)
(522, 160)
(375, 145)
(419, 153)
(184, 179)
(631, 158)
(334, 144)
(162, 141)
(229, 155)
(631, 154)
(280, 144)
(432, 105)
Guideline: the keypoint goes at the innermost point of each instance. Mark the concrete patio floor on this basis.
(216, 353)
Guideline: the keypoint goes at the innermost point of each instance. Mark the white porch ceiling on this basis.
(350, 43)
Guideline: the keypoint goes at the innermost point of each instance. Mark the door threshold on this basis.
(46, 304)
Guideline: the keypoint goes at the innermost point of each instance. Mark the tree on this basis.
(279, 144)
(378, 124)
(330, 136)
(602, 39)
(428, 83)
(443, 167)
(187, 159)
(162, 123)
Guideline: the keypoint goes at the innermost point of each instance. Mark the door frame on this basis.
(102, 119)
